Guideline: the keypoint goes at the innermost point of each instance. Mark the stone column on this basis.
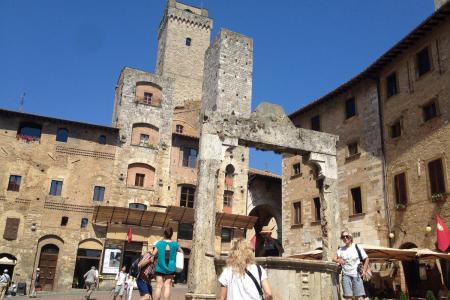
(330, 215)
(202, 280)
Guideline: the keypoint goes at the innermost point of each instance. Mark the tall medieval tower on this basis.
(184, 35)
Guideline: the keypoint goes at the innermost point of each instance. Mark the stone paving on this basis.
(177, 294)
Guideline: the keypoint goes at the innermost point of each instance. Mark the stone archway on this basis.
(8, 262)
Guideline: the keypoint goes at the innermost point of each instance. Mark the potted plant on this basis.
(400, 206)
(435, 197)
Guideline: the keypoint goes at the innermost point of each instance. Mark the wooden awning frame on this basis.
(147, 218)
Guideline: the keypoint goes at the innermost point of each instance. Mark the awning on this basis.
(186, 215)
(429, 254)
(130, 216)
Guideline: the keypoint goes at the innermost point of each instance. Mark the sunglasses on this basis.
(345, 237)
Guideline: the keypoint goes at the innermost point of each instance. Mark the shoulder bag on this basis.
(258, 286)
(365, 276)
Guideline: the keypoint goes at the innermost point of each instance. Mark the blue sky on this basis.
(67, 55)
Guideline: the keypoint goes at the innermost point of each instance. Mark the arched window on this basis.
(187, 196)
(62, 135)
(145, 135)
(179, 128)
(188, 41)
(139, 206)
(102, 139)
(229, 173)
(141, 175)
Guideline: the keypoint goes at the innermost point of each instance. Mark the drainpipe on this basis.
(383, 162)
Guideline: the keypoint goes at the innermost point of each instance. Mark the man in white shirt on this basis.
(349, 259)
(4, 282)
(121, 283)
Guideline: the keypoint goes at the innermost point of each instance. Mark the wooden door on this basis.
(47, 264)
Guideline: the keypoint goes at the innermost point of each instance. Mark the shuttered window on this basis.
(436, 176)
(11, 229)
(401, 196)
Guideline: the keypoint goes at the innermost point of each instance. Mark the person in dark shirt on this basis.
(271, 246)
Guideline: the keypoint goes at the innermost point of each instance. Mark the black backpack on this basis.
(134, 269)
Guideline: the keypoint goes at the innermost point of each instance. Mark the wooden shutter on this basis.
(436, 174)
(11, 228)
(401, 196)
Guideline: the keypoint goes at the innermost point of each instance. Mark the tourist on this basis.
(271, 246)
(348, 257)
(4, 283)
(36, 283)
(90, 281)
(146, 267)
(12, 290)
(165, 253)
(121, 283)
(130, 286)
(242, 279)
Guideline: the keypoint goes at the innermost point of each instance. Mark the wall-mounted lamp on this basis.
(428, 228)
(392, 233)
(33, 227)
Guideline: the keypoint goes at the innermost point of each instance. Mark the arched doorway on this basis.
(8, 262)
(88, 254)
(47, 264)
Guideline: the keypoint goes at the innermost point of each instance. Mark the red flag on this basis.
(129, 235)
(443, 234)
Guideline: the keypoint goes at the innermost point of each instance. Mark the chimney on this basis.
(439, 3)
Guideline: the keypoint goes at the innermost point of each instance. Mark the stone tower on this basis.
(184, 35)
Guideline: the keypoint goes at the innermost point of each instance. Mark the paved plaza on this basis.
(177, 294)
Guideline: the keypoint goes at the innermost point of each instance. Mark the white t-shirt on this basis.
(121, 278)
(350, 255)
(242, 287)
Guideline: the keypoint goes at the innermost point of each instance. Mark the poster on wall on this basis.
(111, 261)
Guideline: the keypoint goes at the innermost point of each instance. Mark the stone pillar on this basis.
(330, 215)
(202, 280)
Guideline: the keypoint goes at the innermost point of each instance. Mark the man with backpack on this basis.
(4, 283)
(355, 265)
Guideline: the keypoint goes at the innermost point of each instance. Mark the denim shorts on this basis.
(144, 287)
(352, 286)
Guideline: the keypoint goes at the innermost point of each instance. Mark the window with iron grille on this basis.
(391, 85)
(296, 213)
(187, 196)
(315, 123)
(436, 176)
(401, 196)
(350, 108)
(11, 229)
(356, 200)
(56, 188)
(423, 62)
(139, 179)
(189, 157)
(148, 98)
(395, 129)
(99, 193)
(14, 183)
(316, 209)
(227, 198)
(429, 111)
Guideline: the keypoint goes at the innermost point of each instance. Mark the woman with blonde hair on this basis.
(242, 279)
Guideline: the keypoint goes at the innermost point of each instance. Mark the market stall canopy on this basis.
(430, 254)
(131, 216)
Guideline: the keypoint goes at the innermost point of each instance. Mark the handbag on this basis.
(179, 262)
(258, 287)
(367, 276)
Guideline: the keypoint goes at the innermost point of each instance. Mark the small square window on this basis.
(144, 139)
(226, 235)
(99, 193)
(317, 211)
(84, 223)
(352, 149)
(64, 221)
(148, 98)
(296, 213)
(56, 188)
(296, 168)
(395, 129)
(139, 179)
(315, 123)
(14, 183)
(350, 108)
(179, 128)
(430, 111)
(102, 139)
(356, 200)
(423, 62)
(188, 42)
(391, 85)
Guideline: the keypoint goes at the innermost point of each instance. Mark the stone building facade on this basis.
(392, 122)
(73, 191)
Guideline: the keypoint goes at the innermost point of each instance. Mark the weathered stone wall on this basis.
(178, 60)
(363, 170)
(421, 141)
(38, 163)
